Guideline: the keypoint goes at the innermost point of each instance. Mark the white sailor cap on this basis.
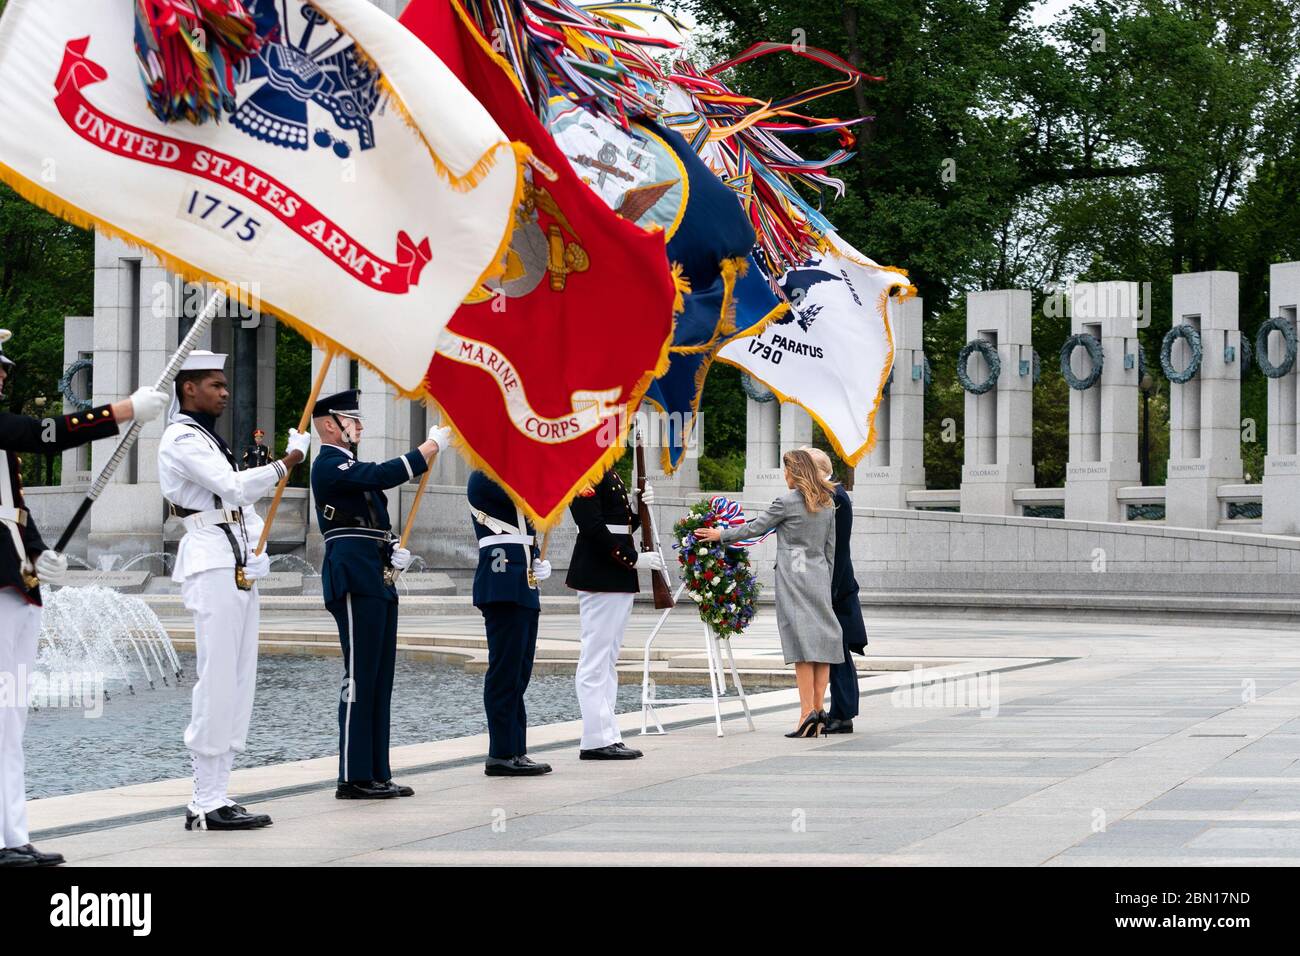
(201, 360)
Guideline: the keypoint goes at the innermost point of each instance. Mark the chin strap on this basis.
(343, 432)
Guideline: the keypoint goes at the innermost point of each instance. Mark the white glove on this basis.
(51, 567)
(401, 559)
(650, 559)
(647, 497)
(258, 566)
(541, 569)
(299, 442)
(441, 435)
(147, 404)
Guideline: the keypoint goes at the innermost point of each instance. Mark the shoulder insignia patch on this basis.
(346, 465)
(183, 436)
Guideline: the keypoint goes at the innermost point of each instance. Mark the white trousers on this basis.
(602, 619)
(20, 628)
(225, 629)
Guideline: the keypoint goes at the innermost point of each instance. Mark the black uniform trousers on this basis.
(512, 644)
(368, 634)
(844, 676)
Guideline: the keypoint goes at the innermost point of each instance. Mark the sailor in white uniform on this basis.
(217, 571)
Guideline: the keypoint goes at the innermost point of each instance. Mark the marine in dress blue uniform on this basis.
(26, 562)
(505, 591)
(360, 547)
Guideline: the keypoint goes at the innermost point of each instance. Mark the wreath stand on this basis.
(717, 678)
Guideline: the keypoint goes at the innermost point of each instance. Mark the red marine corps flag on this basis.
(541, 368)
(346, 178)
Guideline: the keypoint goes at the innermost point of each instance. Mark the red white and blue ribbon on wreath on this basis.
(730, 514)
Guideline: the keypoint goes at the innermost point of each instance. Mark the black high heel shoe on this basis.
(809, 726)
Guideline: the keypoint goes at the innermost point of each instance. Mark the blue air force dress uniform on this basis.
(505, 592)
(352, 514)
(25, 560)
(848, 611)
(217, 571)
(603, 570)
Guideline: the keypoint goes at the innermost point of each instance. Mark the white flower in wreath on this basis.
(698, 599)
(702, 551)
(731, 587)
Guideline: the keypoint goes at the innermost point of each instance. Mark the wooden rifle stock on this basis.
(663, 592)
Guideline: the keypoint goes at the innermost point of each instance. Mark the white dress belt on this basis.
(491, 539)
(16, 515)
(209, 519)
(618, 529)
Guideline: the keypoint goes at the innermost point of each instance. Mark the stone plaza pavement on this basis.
(1100, 745)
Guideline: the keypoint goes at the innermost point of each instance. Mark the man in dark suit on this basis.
(25, 563)
(505, 591)
(847, 607)
(257, 454)
(357, 578)
(603, 572)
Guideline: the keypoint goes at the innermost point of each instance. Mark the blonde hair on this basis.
(808, 480)
(820, 459)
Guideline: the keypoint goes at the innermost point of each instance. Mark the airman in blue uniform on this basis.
(505, 591)
(361, 562)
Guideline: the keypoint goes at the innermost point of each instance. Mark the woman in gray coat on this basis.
(804, 519)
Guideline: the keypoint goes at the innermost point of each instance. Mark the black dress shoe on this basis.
(36, 856)
(837, 726)
(514, 767)
(15, 859)
(628, 750)
(365, 790)
(610, 752)
(226, 818)
(401, 790)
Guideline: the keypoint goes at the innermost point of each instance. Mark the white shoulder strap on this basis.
(9, 500)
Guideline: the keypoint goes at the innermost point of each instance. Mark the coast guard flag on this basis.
(832, 352)
(360, 205)
(541, 368)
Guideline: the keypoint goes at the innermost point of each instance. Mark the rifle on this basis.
(649, 535)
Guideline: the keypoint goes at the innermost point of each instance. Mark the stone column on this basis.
(999, 423)
(1104, 418)
(685, 481)
(762, 449)
(1282, 464)
(134, 335)
(1205, 413)
(897, 464)
(78, 343)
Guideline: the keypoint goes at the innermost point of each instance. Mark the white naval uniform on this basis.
(191, 469)
(602, 619)
(20, 628)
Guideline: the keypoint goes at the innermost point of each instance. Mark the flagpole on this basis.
(303, 423)
(215, 303)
